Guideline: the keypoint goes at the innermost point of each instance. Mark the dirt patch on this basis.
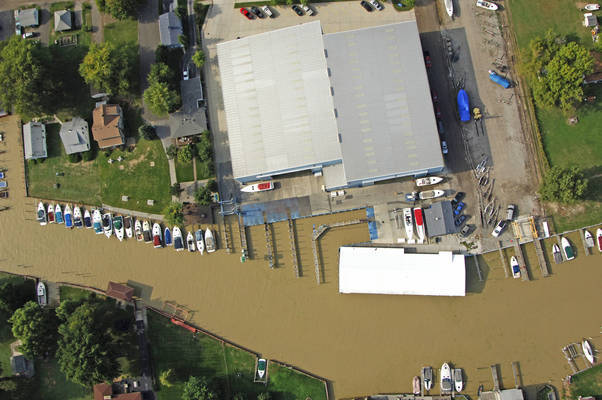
(565, 210)
(133, 163)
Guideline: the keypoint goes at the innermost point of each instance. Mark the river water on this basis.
(362, 343)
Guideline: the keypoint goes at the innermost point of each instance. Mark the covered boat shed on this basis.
(378, 270)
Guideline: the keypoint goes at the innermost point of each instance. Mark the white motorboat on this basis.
(146, 232)
(599, 239)
(178, 244)
(138, 230)
(77, 217)
(589, 239)
(261, 367)
(556, 254)
(567, 249)
(587, 351)
(58, 214)
(50, 214)
(449, 7)
(429, 180)
(128, 226)
(446, 379)
(200, 244)
(157, 236)
(190, 242)
(458, 382)
(97, 221)
(68, 217)
(41, 291)
(258, 187)
(592, 7)
(487, 5)
(107, 224)
(87, 219)
(427, 378)
(118, 227)
(41, 215)
(419, 224)
(408, 223)
(514, 267)
(430, 194)
(209, 241)
(416, 385)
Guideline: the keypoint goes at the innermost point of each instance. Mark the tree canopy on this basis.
(120, 9)
(203, 196)
(108, 68)
(197, 389)
(14, 295)
(185, 153)
(36, 327)
(557, 68)
(174, 214)
(160, 99)
(563, 185)
(198, 58)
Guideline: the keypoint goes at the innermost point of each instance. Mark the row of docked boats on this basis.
(126, 227)
(449, 379)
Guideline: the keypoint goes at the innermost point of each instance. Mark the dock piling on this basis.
(516, 374)
(503, 258)
(585, 248)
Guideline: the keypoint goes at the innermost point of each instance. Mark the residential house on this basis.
(34, 140)
(63, 20)
(75, 136)
(107, 126)
(27, 17)
(170, 29)
(104, 391)
(191, 118)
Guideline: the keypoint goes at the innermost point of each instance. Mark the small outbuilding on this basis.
(170, 29)
(590, 19)
(19, 364)
(63, 20)
(34, 140)
(27, 17)
(75, 136)
(439, 219)
(120, 291)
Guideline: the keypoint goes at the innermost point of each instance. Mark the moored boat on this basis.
(107, 224)
(458, 382)
(599, 239)
(178, 244)
(127, 225)
(118, 227)
(449, 7)
(209, 241)
(50, 213)
(167, 237)
(77, 217)
(487, 5)
(68, 217)
(446, 379)
(408, 223)
(41, 214)
(138, 230)
(157, 236)
(589, 239)
(87, 219)
(429, 180)
(200, 244)
(146, 232)
(427, 377)
(416, 385)
(592, 7)
(190, 242)
(41, 291)
(261, 367)
(58, 214)
(419, 224)
(556, 254)
(430, 194)
(587, 351)
(258, 187)
(514, 267)
(567, 249)
(97, 221)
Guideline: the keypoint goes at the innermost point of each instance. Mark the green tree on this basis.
(89, 155)
(166, 378)
(183, 40)
(101, 5)
(174, 189)
(120, 9)
(160, 72)
(239, 396)
(563, 185)
(198, 58)
(174, 214)
(197, 389)
(147, 131)
(212, 185)
(14, 295)
(264, 396)
(185, 154)
(108, 68)
(171, 151)
(203, 196)
(160, 99)
(205, 147)
(36, 327)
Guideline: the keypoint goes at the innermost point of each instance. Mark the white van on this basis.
(267, 11)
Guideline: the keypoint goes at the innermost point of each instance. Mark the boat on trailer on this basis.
(50, 213)
(592, 7)
(556, 254)
(430, 194)
(429, 180)
(449, 7)
(589, 239)
(487, 5)
(258, 187)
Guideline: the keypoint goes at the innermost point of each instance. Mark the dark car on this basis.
(257, 12)
(434, 96)
(437, 112)
(427, 59)
(297, 10)
(465, 232)
(246, 13)
(458, 197)
(460, 220)
(366, 5)
(459, 207)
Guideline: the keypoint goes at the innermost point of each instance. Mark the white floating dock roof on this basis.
(377, 270)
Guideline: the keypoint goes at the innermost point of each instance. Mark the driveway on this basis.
(148, 40)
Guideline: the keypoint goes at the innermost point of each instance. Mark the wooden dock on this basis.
(570, 353)
(516, 374)
(268, 244)
(503, 258)
(524, 273)
(314, 246)
(496, 379)
(585, 248)
(475, 257)
(225, 234)
(543, 264)
(243, 240)
(295, 257)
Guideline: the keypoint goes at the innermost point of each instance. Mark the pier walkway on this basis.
(243, 239)
(524, 274)
(294, 256)
(269, 243)
(137, 214)
(543, 264)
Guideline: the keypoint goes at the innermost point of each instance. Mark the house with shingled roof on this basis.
(63, 20)
(107, 126)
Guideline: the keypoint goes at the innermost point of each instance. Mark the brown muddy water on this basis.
(362, 343)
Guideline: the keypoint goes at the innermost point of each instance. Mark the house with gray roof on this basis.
(63, 20)
(75, 136)
(34, 140)
(170, 29)
(191, 118)
(28, 17)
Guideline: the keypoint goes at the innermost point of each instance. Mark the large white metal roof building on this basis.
(353, 104)
(377, 270)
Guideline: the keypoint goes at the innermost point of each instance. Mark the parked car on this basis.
(437, 111)
(465, 232)
(186, 74)
(499, 228)
(267, 11)
(459, 208)
(510, 212)
(459, 196)
(434, 96)
(309, 11)
(411, 196)
(460, 220)
(444, 148)
(28, 35)
(377, 5)
(246, 13)
(427, 59)
(440, 127)
(366, 5)
(297, 10)
(257, 12)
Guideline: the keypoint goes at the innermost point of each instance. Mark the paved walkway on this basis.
(138, 214)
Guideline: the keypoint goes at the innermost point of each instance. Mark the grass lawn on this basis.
(61, 5)
(588, 383)
(51, 383)
(287, 384)
(71, 293)
(121, 32)
(184, 171)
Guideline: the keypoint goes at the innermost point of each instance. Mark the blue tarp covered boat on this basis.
(499, 80)
(463, 106)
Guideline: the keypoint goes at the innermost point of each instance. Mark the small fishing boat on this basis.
(41, 291)
(592, 7)
(97, 221)
(449, 7)
(599, 239)
(567, 249)
(138, 230)
(190, 242)
(258, 187)
(68, 217)
(167, 236)
(589, 239)
(419, 224)
(107, 224)
(41, 215)
(430, 194)
(514, 267)
(87, 219)
(427, 378)
(408, 223)
(127, 225)
(200, 245)
(118, 227)
(416, 385)
(58, 214)
(458, 382)
(587, 351)
(446, 379)
(77, 217)
(157, 236)
(178, 244)
(209, 241)
(50, 213)
(146, 232)
(556, 254)
(429, 180)
(487, 5)
(261, 367)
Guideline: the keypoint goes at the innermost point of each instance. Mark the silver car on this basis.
(307, 10)
(267, 11)
(499, 228)
(376, 5)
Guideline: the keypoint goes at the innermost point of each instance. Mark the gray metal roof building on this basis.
(34, 140)
(63, 20)
(170, 29)
(439, 219)
(75, 136)
(27, 17)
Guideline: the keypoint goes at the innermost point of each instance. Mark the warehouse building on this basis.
(353, 105)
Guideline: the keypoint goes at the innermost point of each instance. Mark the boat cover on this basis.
(499, 80)
(463, 106)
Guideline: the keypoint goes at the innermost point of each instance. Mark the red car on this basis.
(246, 13)
(437, 112)
(434, 96)
(427, 59)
